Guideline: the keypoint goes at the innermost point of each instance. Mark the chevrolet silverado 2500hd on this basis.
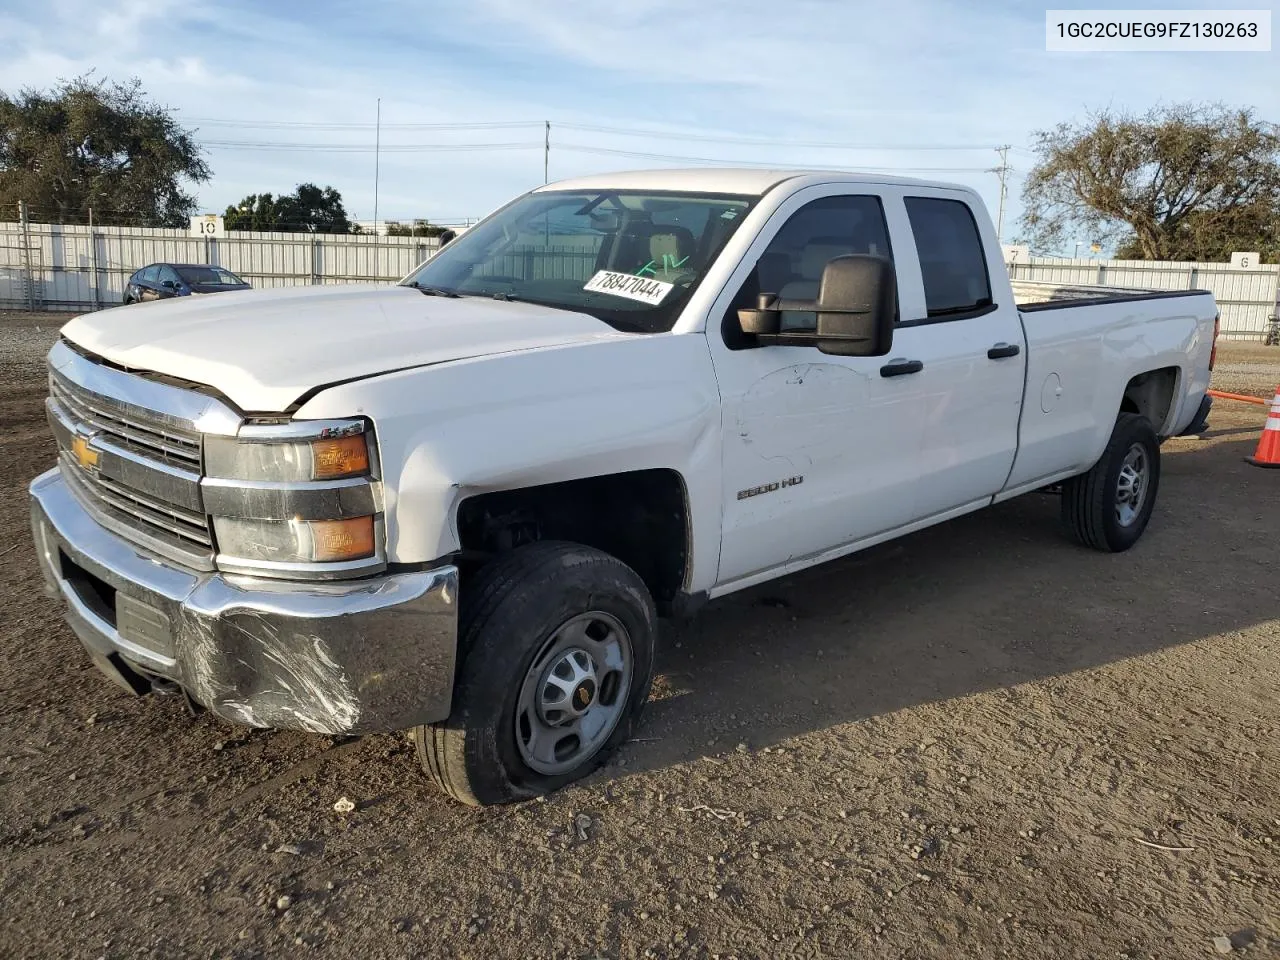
(456, 506)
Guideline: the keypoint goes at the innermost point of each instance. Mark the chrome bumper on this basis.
(361, 656)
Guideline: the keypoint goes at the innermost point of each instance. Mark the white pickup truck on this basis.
(456, 506)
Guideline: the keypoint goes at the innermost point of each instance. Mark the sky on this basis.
(286, 92)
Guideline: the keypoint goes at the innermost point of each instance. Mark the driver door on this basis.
(819, 450)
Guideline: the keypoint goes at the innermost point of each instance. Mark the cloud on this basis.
(911, 73)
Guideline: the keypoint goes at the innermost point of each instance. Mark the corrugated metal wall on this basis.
(1247, 298)
(61, 260)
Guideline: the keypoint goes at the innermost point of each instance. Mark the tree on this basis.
(93, 143)
(1182, 182)
(418, 228)
(309, 209)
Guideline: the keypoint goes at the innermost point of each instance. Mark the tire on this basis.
(1098, 507)
(524, 620)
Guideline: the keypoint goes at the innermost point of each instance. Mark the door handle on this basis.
(1002, 350)
(900, 368)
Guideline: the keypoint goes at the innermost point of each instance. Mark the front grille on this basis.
(133, 507)
(141, 431)
(127, 465)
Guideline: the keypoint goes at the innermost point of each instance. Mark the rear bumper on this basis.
(1200, 422)
(363, 656)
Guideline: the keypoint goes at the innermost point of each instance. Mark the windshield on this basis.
(208, 275)
(631, 259)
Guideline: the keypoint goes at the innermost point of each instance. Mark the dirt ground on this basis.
(977, 741)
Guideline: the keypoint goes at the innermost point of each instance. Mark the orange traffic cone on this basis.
(1268, 453)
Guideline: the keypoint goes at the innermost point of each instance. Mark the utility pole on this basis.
(377, 151)
(26, 255)
(546, 155)
(1003, 172)
(377, 155)
(93, 263)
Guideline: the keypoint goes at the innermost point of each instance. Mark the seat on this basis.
(671, 251)
(813, 260)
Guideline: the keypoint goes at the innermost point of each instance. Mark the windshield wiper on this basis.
(433, 291)
(503, 295)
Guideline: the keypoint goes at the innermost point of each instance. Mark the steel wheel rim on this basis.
(1132, 484)
(574, 693)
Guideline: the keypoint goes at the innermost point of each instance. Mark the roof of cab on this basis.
(743, 181)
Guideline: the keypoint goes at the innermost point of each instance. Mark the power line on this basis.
(638, 155)
(286, 145)
(649, 133)
(764, 141)
(308, 125)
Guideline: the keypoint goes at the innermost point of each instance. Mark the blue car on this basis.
(160, 281)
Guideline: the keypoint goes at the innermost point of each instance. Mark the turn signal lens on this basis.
(339, 458)
(342, 539)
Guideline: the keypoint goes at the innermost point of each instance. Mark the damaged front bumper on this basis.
(363, 656)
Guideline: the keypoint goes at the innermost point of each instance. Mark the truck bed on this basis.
(1034, 296)
(1080, 362)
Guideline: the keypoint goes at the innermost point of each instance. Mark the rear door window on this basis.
(952, 264)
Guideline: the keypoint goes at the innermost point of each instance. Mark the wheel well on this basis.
(1151, 395)
(640, 517)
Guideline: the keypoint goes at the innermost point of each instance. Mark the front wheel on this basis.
(1108, 508)
(557, 649)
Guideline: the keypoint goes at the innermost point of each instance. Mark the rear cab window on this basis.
(953, 267)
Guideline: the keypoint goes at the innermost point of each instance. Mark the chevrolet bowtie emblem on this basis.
(86, 455)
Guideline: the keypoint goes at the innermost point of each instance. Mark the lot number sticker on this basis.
(629, 286)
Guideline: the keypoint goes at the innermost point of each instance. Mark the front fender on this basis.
(454, 430)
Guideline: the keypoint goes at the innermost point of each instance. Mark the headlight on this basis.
(296, 541)
(295, 499)
(275, 452)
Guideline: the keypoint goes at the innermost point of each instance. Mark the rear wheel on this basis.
(556, 647)
(1108, 508)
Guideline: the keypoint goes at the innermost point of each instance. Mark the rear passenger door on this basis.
(972, 351)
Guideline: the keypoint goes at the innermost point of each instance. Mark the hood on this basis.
(263, 349)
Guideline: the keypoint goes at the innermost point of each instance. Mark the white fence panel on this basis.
(52, 267)
(57, 267)
(1247, 298)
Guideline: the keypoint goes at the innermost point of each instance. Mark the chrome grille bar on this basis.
(131, 450)
(99, 414)
(184, 523)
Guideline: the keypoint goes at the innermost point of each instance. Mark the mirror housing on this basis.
(168, 284)
(856, 306)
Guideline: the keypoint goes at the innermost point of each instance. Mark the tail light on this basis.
(1213, 351)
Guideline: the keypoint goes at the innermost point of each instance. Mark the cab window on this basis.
(791, 266)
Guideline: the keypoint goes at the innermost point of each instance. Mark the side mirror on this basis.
(856, 304)
(169, 284)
